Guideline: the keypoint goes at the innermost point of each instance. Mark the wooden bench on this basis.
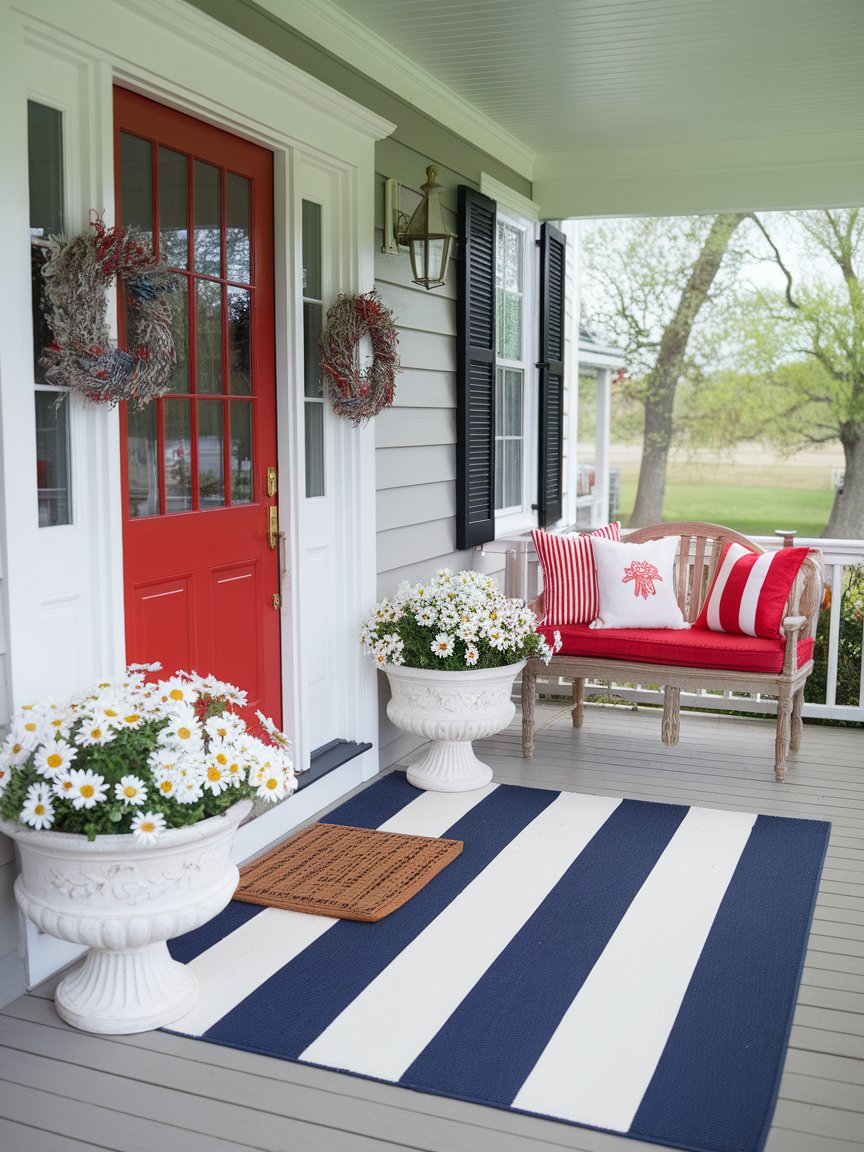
(791, 657)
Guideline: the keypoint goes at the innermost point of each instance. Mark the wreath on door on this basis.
(354, 391)
(82, 356)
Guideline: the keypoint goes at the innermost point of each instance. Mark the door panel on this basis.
(200, 575)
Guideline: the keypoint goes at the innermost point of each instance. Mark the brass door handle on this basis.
(273, 526)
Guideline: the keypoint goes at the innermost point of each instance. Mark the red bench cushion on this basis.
(692, 648)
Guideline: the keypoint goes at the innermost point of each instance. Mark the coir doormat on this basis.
(350, 873)
(617, 964)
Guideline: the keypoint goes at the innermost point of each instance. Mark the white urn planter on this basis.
(125, 900)
(451, 709)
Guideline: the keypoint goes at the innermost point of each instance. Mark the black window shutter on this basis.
(475, 338)
(550, 505)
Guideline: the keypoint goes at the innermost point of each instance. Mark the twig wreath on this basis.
(78, 273)
(355, 392)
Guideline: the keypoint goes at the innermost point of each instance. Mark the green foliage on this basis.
(849, 645)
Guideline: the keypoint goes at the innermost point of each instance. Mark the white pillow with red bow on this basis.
(637, 584)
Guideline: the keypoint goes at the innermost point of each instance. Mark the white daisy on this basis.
(176, 691)
(94, 730)
(216, 777)
(182, 730)
(166, 781)
(88, 788)
(62, 786)
(14, 753)
(442, 645)
(225, 726)
(471, 655)
(147, 826)
(274, 784)
(28, 731)
(53, 758)
(38, 811)
(131, 791)
(5, 777)
(189, 790)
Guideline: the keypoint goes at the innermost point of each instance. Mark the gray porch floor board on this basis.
(65, 1091)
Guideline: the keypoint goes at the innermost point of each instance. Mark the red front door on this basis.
(201, 579)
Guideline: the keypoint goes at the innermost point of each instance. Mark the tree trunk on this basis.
(847, 513)
(663, 379)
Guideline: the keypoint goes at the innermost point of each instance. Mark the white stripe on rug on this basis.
(599, 1062)
(410, 1000)
(257, 949)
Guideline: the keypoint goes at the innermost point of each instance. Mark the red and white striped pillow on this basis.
(570, 574)
(750, 590)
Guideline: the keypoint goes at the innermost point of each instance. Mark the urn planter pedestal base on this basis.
(451, 709)
(124, 900)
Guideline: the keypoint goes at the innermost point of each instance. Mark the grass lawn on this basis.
(753, 500)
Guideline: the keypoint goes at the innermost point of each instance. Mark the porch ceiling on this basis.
(572, 91)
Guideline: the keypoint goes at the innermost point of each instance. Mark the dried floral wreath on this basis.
(77, 274)
(355, 392)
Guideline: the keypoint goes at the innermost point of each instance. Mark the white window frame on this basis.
(522, 214)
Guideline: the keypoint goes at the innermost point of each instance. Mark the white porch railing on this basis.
(522, 579)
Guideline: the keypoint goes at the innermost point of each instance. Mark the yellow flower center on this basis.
(16, 748)
(221, 758)
(54, 760)
(30, 726)
(132, 719)
(39, 809)
(58, 723)
(95, 733)
(166, 786)
(176, 694)
(183, 733)
(272, 783)
(130, 791)
(213, 773)
(110, 712)
(66, 785)
(87, 790)
(147, 826)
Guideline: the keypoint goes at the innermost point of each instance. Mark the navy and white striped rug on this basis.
(617, 964)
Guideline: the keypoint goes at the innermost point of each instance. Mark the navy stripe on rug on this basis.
(486, 1050)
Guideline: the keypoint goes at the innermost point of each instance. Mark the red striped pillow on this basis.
(570, 574)
(749, 592)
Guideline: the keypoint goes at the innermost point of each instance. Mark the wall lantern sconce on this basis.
(425, 235)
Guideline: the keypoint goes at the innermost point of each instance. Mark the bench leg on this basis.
(797, 722)
(578, 701)
(784, 727)
(529, 689)
(671, 715)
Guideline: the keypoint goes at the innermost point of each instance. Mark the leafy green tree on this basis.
(647, 283)
(806, 339)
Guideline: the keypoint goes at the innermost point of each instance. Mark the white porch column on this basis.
(600, 507)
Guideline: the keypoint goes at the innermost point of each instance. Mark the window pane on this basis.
(312, 250)
(52, 459)
(211, 471)
(237, 202)
(512, 473)
(178, 456)
(241, 452)
(142, 453)
(208, 339)
(314, 425)
(513, 405)
(173, 223)
(136, 164)
(312, 324)
(208, 219)
(45, 162)
(180, 330)
(239, 369)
